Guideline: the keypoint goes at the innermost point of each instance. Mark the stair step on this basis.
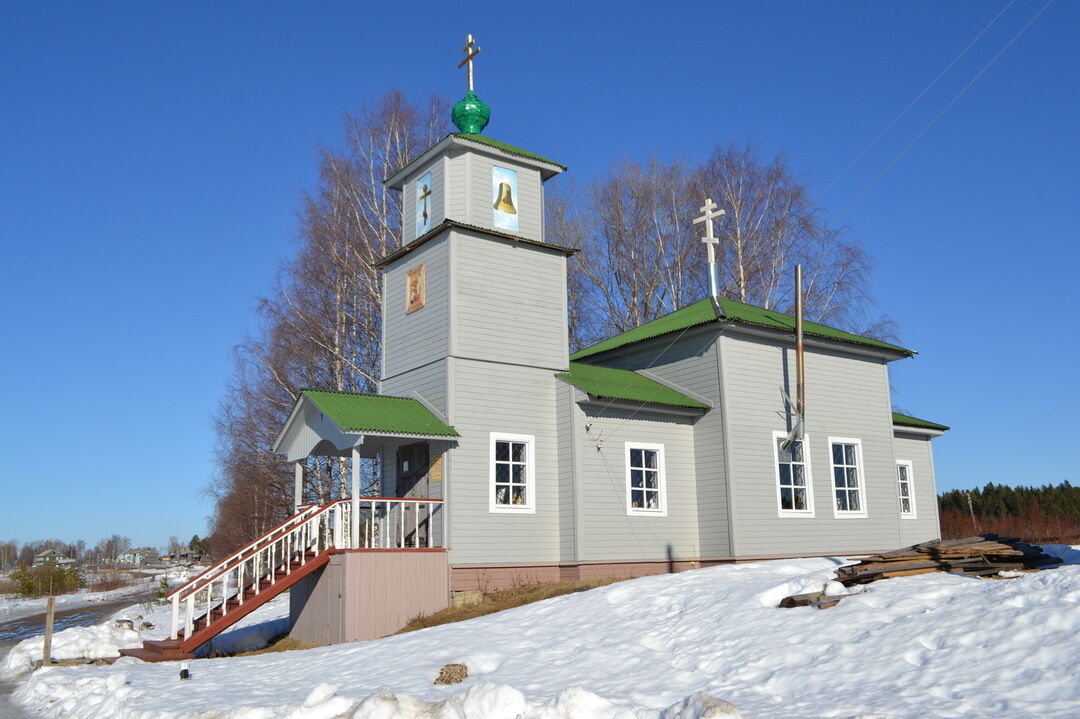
(163, 646)
(151, 656)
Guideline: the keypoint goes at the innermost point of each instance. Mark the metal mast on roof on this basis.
(797, 431)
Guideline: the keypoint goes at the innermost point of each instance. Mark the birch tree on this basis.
(642, 257)
(320, 327)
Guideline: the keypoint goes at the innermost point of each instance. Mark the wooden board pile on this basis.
(982, 556)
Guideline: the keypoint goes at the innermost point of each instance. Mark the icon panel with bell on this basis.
(505, 201)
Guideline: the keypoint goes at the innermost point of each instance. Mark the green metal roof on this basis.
(505, 147)
(354, 412)
(703, 312)
(610, 383)
(908, 421)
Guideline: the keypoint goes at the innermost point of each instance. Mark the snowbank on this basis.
(665, 647)
(105, 640)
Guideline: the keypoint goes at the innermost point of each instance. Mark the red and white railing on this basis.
(381, 523)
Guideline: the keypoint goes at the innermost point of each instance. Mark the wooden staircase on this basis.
(223, 616)
(236, 586)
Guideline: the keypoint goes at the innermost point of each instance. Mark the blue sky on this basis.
(152, 157)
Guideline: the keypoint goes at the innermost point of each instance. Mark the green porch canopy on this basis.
(354, 412)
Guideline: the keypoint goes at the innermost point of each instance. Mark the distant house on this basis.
(138, 557)
(184, 556)
(51, 556)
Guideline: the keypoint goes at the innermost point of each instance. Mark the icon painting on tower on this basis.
(415, 289)
(504, 196)
(423, 204)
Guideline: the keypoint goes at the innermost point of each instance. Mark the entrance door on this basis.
(412, 481)
(412, 470)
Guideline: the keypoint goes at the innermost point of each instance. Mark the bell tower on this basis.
(475, 319)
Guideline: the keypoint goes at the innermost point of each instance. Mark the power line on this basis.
(948, 105)
(917, 98)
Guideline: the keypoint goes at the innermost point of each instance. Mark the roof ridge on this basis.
(505, 147)
(356, 394)
(737, 311)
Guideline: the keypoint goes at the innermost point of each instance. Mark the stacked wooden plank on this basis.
(981, 556)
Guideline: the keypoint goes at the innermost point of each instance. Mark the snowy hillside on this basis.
(934, 645)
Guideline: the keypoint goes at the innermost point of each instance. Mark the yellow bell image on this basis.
(505, 203)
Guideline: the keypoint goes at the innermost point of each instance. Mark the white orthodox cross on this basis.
(470, 51)
(709, 213)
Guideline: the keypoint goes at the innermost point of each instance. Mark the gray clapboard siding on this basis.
(844, 399)
(691, 362)
(422, 337)
(917, 449)
(510, 302)
(457, 186)
(436, 203)
(566, 437)
(429, 381)
(612, 534)
(497, 397)
(480, 195)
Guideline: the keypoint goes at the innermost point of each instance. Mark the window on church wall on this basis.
(512, 473)
(849, 491)
(794, 490)
(646, 493)
(905, 490)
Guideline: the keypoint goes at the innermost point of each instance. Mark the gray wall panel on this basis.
(416, 339)
(918, 450)
(511, 302)
(508, 399)
(692, 363)
(845, 398)
(612, 534)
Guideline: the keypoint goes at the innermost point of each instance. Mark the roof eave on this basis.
(547, 169)
(814, 340)
(397, 180)
(595, 400)
(911, 429)
(454, 224)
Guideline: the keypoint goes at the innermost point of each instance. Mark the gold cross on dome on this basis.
(470, 51)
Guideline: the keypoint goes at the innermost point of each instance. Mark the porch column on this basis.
(298, 487)
(354, 522)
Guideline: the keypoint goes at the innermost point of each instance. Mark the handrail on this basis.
(229, 564)
(310, 532)
(252, 547)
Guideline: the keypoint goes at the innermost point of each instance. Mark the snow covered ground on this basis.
(105, 640)
(933, 645)
(15, 607)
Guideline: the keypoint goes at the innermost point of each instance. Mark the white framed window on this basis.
(646, 486)
(513, 469)
(794, 487)
(905, 489)
(849, 489)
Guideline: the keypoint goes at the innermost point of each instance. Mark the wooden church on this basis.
(506, 459)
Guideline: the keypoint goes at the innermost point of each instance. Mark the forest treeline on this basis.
(642, 257)
(1048, 514)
